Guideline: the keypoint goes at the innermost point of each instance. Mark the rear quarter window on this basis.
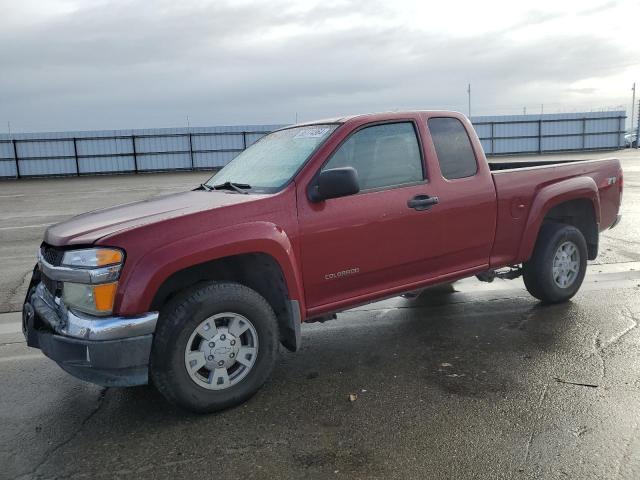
(453, 147)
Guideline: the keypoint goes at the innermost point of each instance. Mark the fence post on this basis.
(621, 120)
(244, 140)
(75, 154)
(493, 148)
(638, 130)
(15, 156)
(135, 155)
(539, 136)
(190, 151)
(584, 130)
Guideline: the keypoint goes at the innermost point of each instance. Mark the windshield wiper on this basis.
(205, 187)
(238, 187)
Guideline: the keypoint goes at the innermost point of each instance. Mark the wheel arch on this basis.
(578, 213)
(574, 201)
(257, 270)
(258, 255)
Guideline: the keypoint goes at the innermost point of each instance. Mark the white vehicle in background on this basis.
(631, 140)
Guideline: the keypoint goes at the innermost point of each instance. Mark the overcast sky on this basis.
(107, 64)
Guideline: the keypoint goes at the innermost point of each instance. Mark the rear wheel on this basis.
(556, 270)
(215, 345)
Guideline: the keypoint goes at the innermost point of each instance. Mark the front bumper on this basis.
(108, 351)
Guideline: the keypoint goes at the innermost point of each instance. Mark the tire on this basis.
(538, 271)
(183, 322)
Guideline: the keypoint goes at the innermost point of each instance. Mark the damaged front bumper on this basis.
(108, 351)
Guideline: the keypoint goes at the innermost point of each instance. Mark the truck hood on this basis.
(89, 227)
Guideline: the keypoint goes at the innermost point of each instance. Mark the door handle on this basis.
(422, 202)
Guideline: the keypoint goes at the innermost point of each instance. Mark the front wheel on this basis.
(214, 347)
(556, 270)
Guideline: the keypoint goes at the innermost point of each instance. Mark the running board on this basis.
(490, 275)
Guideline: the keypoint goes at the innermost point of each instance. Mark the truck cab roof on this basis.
(379, 116)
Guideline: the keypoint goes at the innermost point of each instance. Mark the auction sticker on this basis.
(311, 132)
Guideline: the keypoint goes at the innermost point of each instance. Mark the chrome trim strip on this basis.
(79, 275)
(88, 327)
(108, 328)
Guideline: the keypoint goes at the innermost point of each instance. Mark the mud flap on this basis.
(290, 335)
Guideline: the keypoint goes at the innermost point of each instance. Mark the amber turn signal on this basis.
(104, 295)
(109, 256)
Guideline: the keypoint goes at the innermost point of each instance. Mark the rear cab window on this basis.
(453, 148)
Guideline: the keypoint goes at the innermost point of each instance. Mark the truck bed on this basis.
(496, 165)
(518, 185)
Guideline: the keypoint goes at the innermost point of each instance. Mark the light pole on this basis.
(469, 98)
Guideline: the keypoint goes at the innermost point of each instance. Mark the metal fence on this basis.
(516, 134)
(122, 151)
(85, 153)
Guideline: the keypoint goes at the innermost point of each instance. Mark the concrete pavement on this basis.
(480, 383)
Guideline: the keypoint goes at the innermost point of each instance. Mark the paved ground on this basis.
(480, 383)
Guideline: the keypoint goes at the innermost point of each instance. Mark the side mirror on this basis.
(334, 183)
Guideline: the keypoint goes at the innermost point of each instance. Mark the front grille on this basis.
(52, 255)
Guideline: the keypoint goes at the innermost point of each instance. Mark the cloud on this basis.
(582, 91)
(122, 64)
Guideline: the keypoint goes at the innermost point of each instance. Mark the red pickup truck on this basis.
(195, 291)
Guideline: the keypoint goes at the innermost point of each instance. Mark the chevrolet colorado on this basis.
(195, 291)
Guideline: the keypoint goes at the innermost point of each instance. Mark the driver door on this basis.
(374, 240)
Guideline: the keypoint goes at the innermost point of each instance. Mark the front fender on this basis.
(139, 286)
(548, 197)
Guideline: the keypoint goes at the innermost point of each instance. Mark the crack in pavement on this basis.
(13, 292)
(34, 472)
(538, 419)
(4, 344)
(599, 346)
(598, 352)
(616, 338)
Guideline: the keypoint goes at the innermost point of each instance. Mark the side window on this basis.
(453, 148)
(383, 155)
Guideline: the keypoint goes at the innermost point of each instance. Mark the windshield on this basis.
(274, 159)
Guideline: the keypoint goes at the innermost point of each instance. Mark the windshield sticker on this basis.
(311, 132)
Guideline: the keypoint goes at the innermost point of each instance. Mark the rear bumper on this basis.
(616, 222)
(108, 351)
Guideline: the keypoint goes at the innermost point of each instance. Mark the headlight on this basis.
(91, 299)
(94, 291)
(92, 257)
